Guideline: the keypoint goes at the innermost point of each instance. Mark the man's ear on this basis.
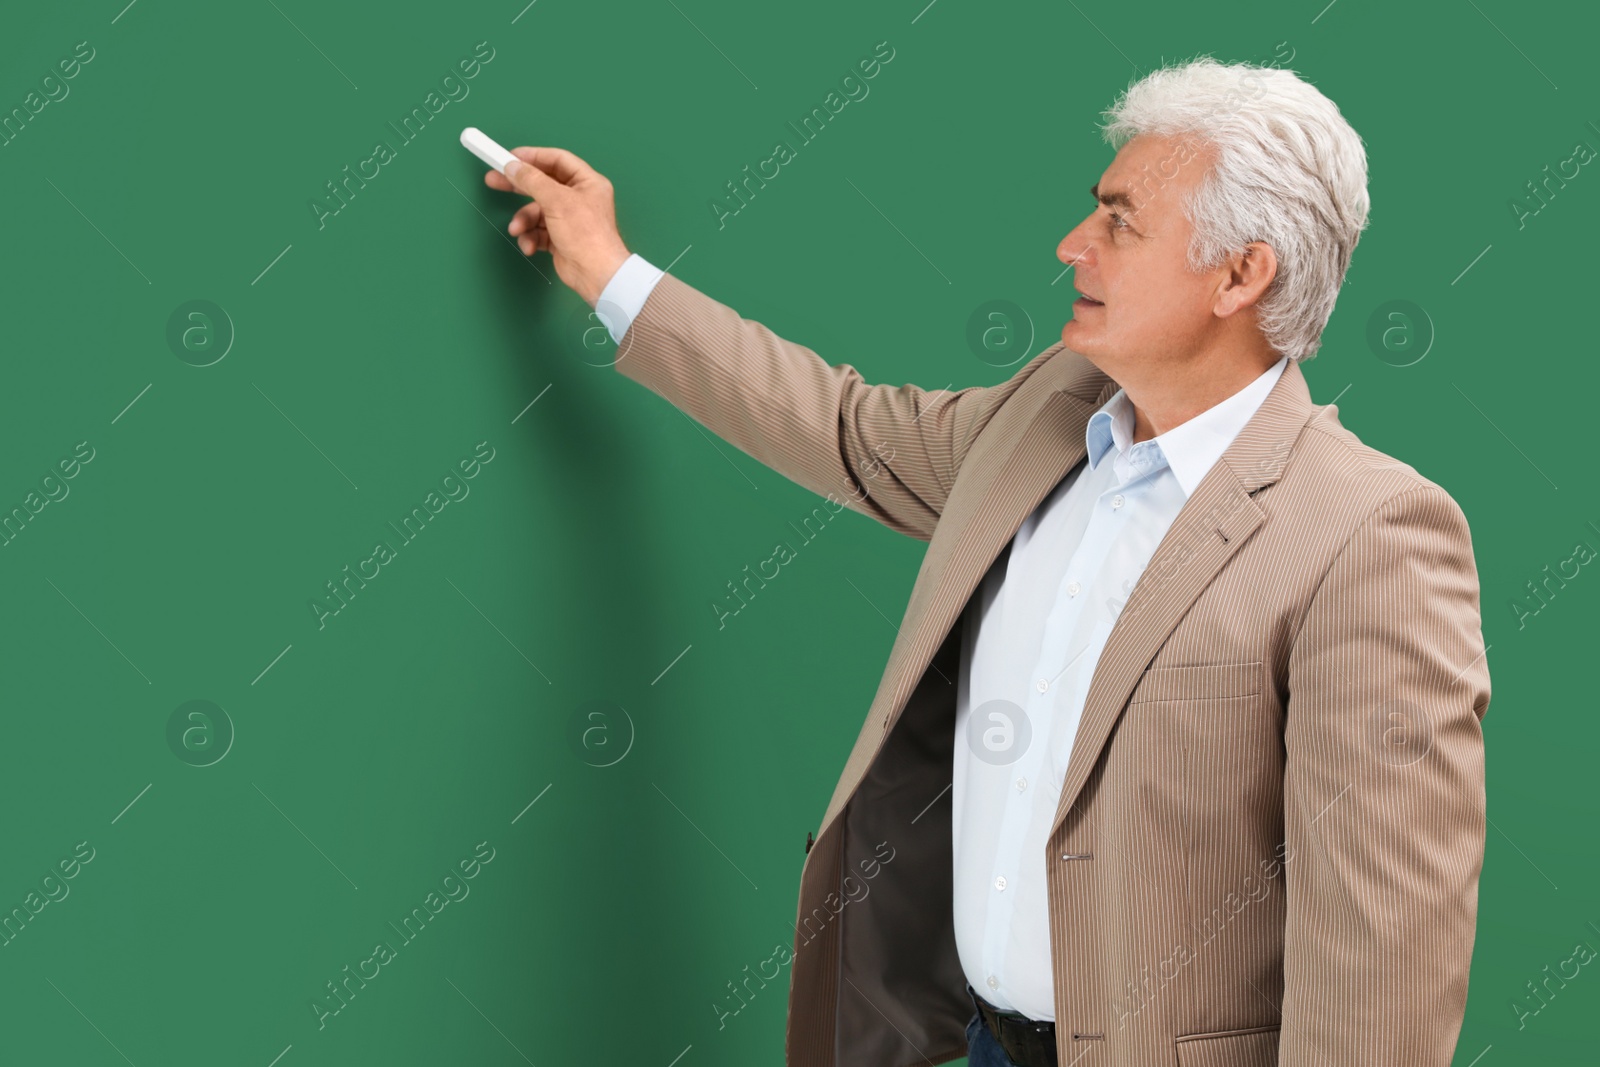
(1249, 274)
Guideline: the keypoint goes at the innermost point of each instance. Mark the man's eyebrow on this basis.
(1112, 199)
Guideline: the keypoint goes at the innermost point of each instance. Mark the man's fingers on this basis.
(529, 180)
(542, 173)
(536, 241)
(529, 217)
(560, 164)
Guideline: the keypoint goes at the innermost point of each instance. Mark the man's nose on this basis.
(1074, 250)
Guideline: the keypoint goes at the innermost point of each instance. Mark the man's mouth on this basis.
(1086, 302)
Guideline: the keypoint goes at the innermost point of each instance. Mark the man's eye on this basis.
(1117, 221)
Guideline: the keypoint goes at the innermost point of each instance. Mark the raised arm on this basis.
(889, 452)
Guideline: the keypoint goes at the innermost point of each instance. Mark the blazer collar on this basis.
(1258, 455)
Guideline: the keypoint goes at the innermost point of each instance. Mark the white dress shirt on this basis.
(1031, 637)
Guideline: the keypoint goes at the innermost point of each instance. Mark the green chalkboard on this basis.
(354, 599)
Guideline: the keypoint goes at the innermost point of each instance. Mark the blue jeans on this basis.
(982, 1049)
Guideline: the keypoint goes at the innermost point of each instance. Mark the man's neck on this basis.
(1173, 400)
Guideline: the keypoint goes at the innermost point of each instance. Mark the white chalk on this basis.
(485, 148)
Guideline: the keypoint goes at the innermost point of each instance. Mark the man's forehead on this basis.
(1127, 183)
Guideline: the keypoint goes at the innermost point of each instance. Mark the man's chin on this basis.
(1083, 342)
(1076, 337)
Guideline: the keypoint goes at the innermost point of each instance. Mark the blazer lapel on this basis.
(1022, 471)
(1213, 523)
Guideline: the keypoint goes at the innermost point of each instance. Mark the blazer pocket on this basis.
(1255, 1047)
(1211, 681)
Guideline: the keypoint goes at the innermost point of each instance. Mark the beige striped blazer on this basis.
(1271, 827)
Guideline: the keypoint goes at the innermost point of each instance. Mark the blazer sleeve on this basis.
(1384, 793)
(888, 452)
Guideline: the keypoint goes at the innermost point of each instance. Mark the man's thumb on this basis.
(527, 178)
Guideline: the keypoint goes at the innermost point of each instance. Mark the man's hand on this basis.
(572, 216)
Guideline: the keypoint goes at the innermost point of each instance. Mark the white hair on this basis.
(1289, 171)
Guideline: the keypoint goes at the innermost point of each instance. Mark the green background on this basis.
(371, 354)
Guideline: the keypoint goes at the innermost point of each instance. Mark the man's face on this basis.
(1129, 255)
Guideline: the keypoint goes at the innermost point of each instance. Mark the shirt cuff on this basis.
(624, 295)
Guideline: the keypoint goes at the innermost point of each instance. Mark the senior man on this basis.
(1177, 757)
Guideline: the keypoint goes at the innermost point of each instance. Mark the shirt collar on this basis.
(1192, 448)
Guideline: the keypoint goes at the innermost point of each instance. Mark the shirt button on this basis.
(1022, 783)
(1117, 501)
(1073, 588)
(994, 983)
(1000, 882)
(1041, 685)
